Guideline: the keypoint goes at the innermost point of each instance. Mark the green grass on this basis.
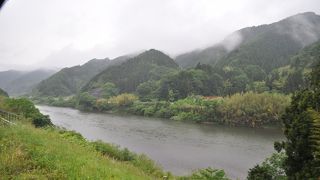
(31, 153)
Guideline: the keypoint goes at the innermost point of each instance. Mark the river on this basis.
(178, 147)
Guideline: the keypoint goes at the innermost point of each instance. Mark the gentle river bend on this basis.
(178, 147)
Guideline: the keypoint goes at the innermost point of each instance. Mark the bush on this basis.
(270, 168)
(103, 105)
(113, 151)
(140, 161)
(41, 120)
(208, 174)
(123, 100)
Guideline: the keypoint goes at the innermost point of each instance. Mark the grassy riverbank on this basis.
(28, 152)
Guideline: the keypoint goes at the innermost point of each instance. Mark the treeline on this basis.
(248, 109)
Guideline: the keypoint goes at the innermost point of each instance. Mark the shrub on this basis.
(270, 168)
(123, 100)
(208, 174)
(254, 109)
(41, 120)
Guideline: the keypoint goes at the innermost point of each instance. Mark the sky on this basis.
(64, 33)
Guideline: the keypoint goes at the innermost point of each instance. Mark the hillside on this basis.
(7, 76)
(69, 80)
(22, 82)
(25, 83)
(151, 64)
(268, 46)
(294, 76)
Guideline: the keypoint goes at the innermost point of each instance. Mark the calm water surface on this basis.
(178, 147)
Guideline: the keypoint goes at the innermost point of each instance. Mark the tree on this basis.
(294, 82)
(301, 122)
(85, 101)
(146, 90)
(270, 168)
(109, 90)
(255, 73)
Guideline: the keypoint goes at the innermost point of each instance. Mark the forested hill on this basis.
(294, 76)
(268, 46)
(69, 80)
(151, 64)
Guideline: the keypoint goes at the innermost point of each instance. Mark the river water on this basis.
(178, 147)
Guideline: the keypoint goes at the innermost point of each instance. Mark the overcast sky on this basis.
(58, 33)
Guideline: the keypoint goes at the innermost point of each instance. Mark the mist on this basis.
(53, 34)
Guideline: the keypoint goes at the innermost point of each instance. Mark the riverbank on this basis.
(247, 109)
(29, 152)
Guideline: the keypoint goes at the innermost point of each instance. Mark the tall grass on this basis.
(30, 153)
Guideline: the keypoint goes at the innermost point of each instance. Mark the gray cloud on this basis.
(61, 33)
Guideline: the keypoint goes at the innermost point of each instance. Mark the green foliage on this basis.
(207, 174)
(257, 87)
(26, 109)
(259, 173)
(255, 73)
(29, 153)
(113, 151)
(85, 101)
(189, 82)
(293, 77)
(270, 168)
(123, 100)
(197, 109)
(146, 90)
(140, 161)
(253, 109)
(41, 120)
(109, 90)
(301, 122)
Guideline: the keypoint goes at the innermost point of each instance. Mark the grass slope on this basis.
(30, 153)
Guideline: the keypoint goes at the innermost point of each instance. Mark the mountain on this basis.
(267, 46)
(151, 64)
(21, 82)
(8, 76)
(69, 80)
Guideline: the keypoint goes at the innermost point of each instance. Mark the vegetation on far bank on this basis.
(248, 109)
